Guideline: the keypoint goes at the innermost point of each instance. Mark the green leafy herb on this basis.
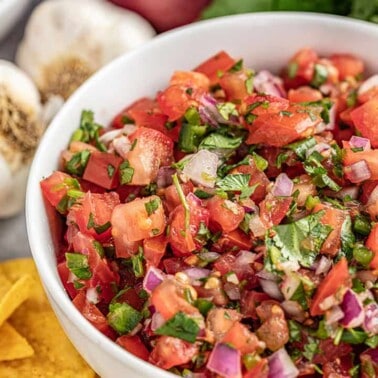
(123, 318)
(244, 224)
(260, 162)
(297, 242)
(137, 263)
(311, 348)
(227, 109)
(320, 75)
(347, 237)
(190, 137)
(202, 194)
(249, 84)
(127, 120)
(353, 336)
(133, 144)
(76, 165)
(352, 98)
(78, 285)
(292, 70)
(236, 182)
(281, 158)
(285, 113)
(78, 265)
(220, 142)
(126, 172)
(372, 341)
(152, 205)
(180, 326)
(110, 169)
(300, 148)
(99, 248)
(237, 66)
(294, 330)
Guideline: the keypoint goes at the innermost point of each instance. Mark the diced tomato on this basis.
(182, 239)
(224, 214)
(134, 345)
(266, 104)
(368, 95)
(335, 279)
(172, 265)
(174, 101)
(151, 150)
(170, 351)
(220, 62)
(190, 79)
(234, 239)
(304, 94)
(103, 277)
(172, 199)
(348, 65)
(92, 314)
(328, 351)
(130, 295)
(367, 189)
(64, 274)
(241, 338)
(55, 187)
(103, 169)
(154, 249)
(369, 364)
(370, 156)
(279, 129)
(234, 85)
(345, 117)
(372, 244)
(274, 209)
(169, 299)
(250, 300)
(335, 218)
(138, 219)
(93, 214)
(365, 120)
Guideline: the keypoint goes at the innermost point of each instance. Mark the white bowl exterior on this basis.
(10, 12)
(264, 40)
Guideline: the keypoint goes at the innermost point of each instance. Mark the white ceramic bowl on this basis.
(10, 12)
(264, 40)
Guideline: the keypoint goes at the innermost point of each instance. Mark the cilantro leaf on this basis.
(236, 182)
(216, 141)
(180, 326)
(78, 162)
(301, 147)
(152, 205)
(227, 109)
(78, 264)
(126, 172)
(298, 242)
(123, 318)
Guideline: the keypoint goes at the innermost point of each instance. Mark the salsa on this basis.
(228, 226)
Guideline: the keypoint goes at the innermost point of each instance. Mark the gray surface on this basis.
(13, 238)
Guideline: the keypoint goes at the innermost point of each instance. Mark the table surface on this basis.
(13, 238)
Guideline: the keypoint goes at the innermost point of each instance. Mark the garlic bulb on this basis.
(67, 40)
(20, 131)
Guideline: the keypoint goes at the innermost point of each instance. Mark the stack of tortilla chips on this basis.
(32, 343)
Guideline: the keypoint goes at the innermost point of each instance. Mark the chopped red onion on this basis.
(153, 278)
(164, 177)
(265, 275)
(281, 365)
(368, 84)
(373, 196)
(357, 172)
(256, 226)
(290, 285)
(334, 315)
(370, 324)
(271, 288)
(351, 191)
(352, 309)
(245, 257)
(283, 187)
(319, 147)
(202, 168)
(157, 320)
(332, 117)
(196, 274)
(191, 197)
(324, 265)
(122, 145)
(92, 295)
(359, 142)
(225, 361)
(265, 82)
(232, 291)
(366, 275)
(294, 310)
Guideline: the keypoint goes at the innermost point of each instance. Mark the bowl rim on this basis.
(52, 286)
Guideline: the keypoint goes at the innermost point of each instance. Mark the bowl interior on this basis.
(265, 40)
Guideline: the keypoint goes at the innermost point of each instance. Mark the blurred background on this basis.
(163, 15)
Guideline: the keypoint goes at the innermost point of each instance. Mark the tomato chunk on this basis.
(371, 158)
(55, 187)
(134, 345)
(348, 65)
(304, 94)
(190, 79)
(372, 243)
(154, 249)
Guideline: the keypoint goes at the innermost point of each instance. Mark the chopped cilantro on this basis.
(152, 205)
(311, 348)
(237, 66)
(180, 326)
(285, 113)
(352, 98)
(220, 142)
(347, 238)
(320, 75)
(123, 318)
(110, 169)
(292, 69)
(353, 336)
(137, 263)
(78, 162)
(133, 144)
(126, 172)
(227, 109)
(78, 264)
(234, 182)
(300, 148)
(294, 330)
(202, 194)
(260, 162)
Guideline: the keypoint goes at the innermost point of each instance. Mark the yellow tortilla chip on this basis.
(12, 345)
(54, 355)
(14, 296)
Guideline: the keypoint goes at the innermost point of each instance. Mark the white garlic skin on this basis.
(92, 31)
(13, 174)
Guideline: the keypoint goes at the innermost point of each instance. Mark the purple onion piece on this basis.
(191, 197)
(196, 274)
(164, 177)
(332, 118)
(281, 365)
(153, 278)
(370, 324)
(352, 309)
(368, 84)
(324, 265)
(232, 291)
(334, 315)
(359, 142)
(265, 82)
(157, 320)
(271, 288)
(357, 172)
(245, 257)
(225, 361)
(283, 187)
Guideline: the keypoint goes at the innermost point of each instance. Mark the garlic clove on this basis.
(20, 132)
(67, 40)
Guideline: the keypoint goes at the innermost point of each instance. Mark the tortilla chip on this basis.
(12, 345)
(54, 355)
(14, 296)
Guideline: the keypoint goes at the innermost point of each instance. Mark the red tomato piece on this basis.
(371, 158)
(335, 279)
(134, 345)
(234, 239)
(172, 199)
(368, 95)
(259, 370)
(170, 351)
(154, 249)
(234, 85)
(365, 120)
(169, 299)
(92, 314)
(220, 62)
(274, 209)
(372, 244)
(152, 149)
(224, 214)
(250, 300)
(174, 101)
(55, 187)
(266, 104)
(304, 94)
(64, 274)
(139, 219)
(348, 65)
(190, 79)
(172, 265)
